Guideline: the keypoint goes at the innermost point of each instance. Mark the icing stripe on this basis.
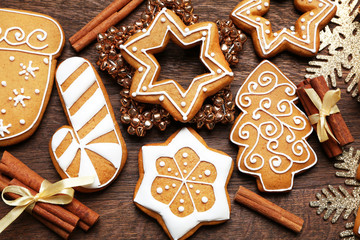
(65, 71)
(105, 126)
(87, 168)
(61, 134)
(68, 156)
(106, 150)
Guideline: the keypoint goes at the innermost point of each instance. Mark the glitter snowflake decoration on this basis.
(28, 70)
(4, 129)
(338, 201)
(342, 45)
(19, 98)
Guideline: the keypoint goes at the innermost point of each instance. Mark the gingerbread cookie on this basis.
(302, 39)
(29, 45)
(183, 184)
(271, 131)
(139, 51)
(93, 144)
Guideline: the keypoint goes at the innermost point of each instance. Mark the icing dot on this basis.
(204, 199)
(303, 28)
(185, 163)
(182, 201)
(187, 29)
(134, 49)
(304, 36)
(266, 4)
(133, 94)
(193, 178)
(185, 155)
(162, 164)
(26, 77)
(267, 31)
(185, 171)
(310, 1)
(204, 33)
(11, 58)
(144, 88)
(167, 187)
(10, 98)
(292, 28)
(212, 54)
(311, 13)
(267, 23)
(321, 4)
(159, 190)
(257, 19)
(302, 20)
(46, 60)
(173, 185)
(275, 34)
(144, 30)
(258, 8)
(183, 104)
(169, 169)
(181, 209)
(253, 160)
(163, 20)
(248, 12)
(37, 91)
(207, 172)
(197, 191)
(3, 83)
(191, 186)
(22, 121)
(200, 176)
(3, 111)
(141, 69)
(277, 163)
(218, 71)
(182, 191)
(161, 98)
(17, 35)
(231, 74)
(185, 118)
(204, 89)
(176, 174)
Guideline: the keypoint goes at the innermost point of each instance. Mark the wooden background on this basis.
(120, 219)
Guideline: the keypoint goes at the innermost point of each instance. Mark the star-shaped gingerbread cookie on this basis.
(302, 39)
(139, 51)
(183, 183)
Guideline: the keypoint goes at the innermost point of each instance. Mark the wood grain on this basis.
(120, 219)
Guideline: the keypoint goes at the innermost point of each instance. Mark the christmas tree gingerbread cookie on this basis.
(29, 45)
(93, 144)
(271, 131)
(183, 184)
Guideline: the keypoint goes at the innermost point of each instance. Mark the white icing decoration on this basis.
(183, 192)
(37, 91)
(22, 121)
(143, 30)
(179, 226)
(209, 78)
(11, 58)
(258, 7)
(207, 172)
(161, 98)
(176, 174)
(181, 209)
(169, 169)
(162, 164)
(19, 98)
(204, 89)
(200, 176)
(191, 186)
(193, 178)
(163, 20)
(183, 104)
(302, 20)
(182, 200)
(267, 45)
(159, 190)
(173, 185)
(212, 54)
(144, 88)
(3, 111)
(266, 4)
(112, 152)
(185, 164)
(140, 70)
(46, 61)
(167, 187)
(185, 155)
(134, 49)
(3, 83)
(275, 34)
(28, 70)
(4, 129)
(303, 28)
(257, 19)
(204, 199)
(269, 131)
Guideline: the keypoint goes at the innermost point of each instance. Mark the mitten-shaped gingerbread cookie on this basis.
(271, 132)
(92, 145)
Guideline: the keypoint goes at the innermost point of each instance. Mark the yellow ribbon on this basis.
(60, 193)
(326, 108)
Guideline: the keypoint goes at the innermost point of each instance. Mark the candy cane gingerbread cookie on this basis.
(29, 46)
(139, 51)
(183, 184)
(93, 144)
(302, 38)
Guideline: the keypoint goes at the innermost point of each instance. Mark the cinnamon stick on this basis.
(336, 121)
(103, 15)
(331, 147)
(269, 209)
(63, 234)
(14, 168)
(102, 27)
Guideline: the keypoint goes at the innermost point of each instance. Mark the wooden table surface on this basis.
(120, 219)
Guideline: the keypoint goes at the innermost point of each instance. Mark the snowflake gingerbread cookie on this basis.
(183, 184)
(93, 144)
(139, 51)
(302, 38)
(271, 131)
(29, 45)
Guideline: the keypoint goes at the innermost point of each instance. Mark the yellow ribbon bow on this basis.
(326, 108)
(60, 193)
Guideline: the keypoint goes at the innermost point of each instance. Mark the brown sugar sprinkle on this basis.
(142, 117)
